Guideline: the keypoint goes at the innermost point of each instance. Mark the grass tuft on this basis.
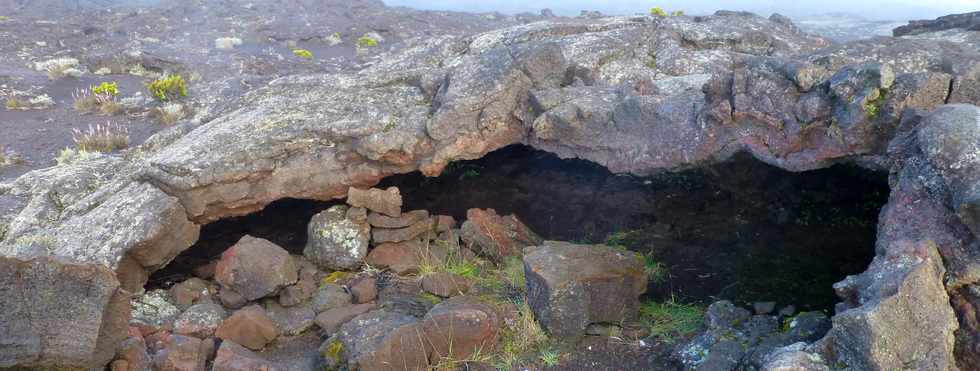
(670, 319)
(101, 138)
(68, 156)
(169, 113)
(366, 42)
(9, 157)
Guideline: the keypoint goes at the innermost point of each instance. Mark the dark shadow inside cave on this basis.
(740, 230)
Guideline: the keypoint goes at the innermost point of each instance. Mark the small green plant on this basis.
(101, 138)
(366, 42)
(524, 336)
(106, 88)
(677, 13)
(9, 157)
(303, 53)
(334, 351)
(873, 106)
(4, 18)
(670, 319)
(658, 12)
(549, 357)
(655, 270)
(652, 62)
(14, 104)
(168, 88)
(69, 155)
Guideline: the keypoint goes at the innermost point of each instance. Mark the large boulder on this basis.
(381, 340)
(255, 268)
(388, 202)
(200, 320)
(495, 236)
(336, 241)
(570, 286)
(950, 139)
(182, 353)
(461, 326)
(403, 258)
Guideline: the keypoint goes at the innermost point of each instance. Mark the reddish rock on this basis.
(182, 353)
(406, 219)
(331, 320)
(250, 327)
(330, 296)
(364, 289)
(231, 299)
(387, 201)
(200, 320)
(401, 257)
(445, 223)
(445, 284)
(188, 292)
(206, 271)
(255, 268)
(132, 352)
(294, 294)
(461, 326)
(383, 340)
(382, 235)
(495, 236)
(234, 357)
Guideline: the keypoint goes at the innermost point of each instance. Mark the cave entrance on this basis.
(740, 230)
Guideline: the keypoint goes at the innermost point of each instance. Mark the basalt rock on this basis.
(635, 94)
(495, 236)
(336, 241)
(255, 268)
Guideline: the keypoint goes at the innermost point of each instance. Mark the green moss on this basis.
(303, 53)
(430, 298)
(334, 277)
(366, 42)
(677, 13)
(168, 87)
(658, 12)
(334, 350)
(13, 103)
(873, 106)
(670, 319)
(106, 88)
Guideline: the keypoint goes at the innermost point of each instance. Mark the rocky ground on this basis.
(324, 100)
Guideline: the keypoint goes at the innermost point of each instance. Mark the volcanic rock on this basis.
(336, 242)
(255, 268)
(494, 236)
(250, 327)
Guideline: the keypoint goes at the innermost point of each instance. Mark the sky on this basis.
(871, 9)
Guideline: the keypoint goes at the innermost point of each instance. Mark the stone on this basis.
(300, 292)
(460, 326)
(234, 357)
(723, 314)
(186, 293)
(406, 219)
(381, 340)
(292, 320)
(250, 326)
(200, 320)
(794, 357)
(402, 258)
(420, 228)
(132, 351)
(445, 223)
(231, 299)
(330, 320)
(787, 311)
(182, 353)
(764, 307)
(950, 140)
(496, 237)
(227, 43)
(445, 284)
(570, 286)
(330, 296)
(336, 242)
(255, 268)
(388, 202)
(154, 309)
(206, 271)
(363, 289)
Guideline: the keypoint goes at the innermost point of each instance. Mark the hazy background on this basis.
(870, 9)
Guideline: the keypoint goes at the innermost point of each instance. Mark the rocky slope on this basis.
(635, 94)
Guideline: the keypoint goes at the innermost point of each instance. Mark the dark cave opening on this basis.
(740, 230)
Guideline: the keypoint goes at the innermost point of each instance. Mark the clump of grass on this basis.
(69, 155)
(670, 319)
(303, 53)
(167, 88)
(9, 158)
(513, 271)
(658, 12)
(524, 336)
(84, 100)
(677, 13)
(366, 42)
(100, 98)
(549, 357)
(13, 103)
(101, 138)
(60, 67)
(169, 113)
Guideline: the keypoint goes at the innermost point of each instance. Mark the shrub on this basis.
(101, 138)
(60, 67)
(106, 88)
(366, 42)
(303, 53)
(168, 87)
(14, 104)
(677, 13)
(69, 155)
(658, 12)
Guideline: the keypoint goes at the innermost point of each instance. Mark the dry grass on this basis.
(9, 158)
(13, 103)
(169, 113)
(522, 339)
(101, 138)
(60, 67)
(85, 101)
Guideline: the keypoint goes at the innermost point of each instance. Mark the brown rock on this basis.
(255, 268)
(387, 202)
(200, 320)
(445, 223)
(494, 236)
(298, 293)
(119, 365)
(206, 271)
(234, 357)
(445, 284)
(364, 289)
(461, 326)
(231, 299)
(182, 353)
(188, 292)
(250, 327)
(383, 340)
(382, 235)
(401, 257)
(329, 296)
(331, 320)
(132, 351)
(406, 219)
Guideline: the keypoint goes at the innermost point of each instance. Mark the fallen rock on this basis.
(295, 294)
(381, 340)
(570, 286)
(182, 353)
(406, 219)
(234, 357)
(494, 236)
(231, 299)
(255, 268)
(206, 271)
(330, 320)
(445, 284)
(330, 296)
(950, 139)
(200, 320)
(764, 307)
(154, 309)
(403, 258)
(186, 293)
(445, 223)
(132, 351)
(335, 241)
(382, 235)
(364, 289)
(388, 202)
(292, 320)
(461, 326)
(250, 327)
(794, 357)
